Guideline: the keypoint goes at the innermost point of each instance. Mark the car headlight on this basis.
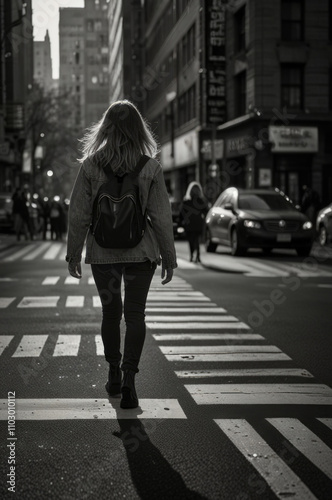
(252, 224)
(307, 225)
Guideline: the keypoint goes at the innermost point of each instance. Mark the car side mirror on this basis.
(228, 206)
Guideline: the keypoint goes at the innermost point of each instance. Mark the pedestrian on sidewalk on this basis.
(20, 214)
(192, 217)
(113, 149)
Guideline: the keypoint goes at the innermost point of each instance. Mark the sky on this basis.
(45, 15)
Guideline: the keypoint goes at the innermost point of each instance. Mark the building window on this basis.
(292, 20)
(240, 29)
(292, 86)
(240, 96)
(187, 106)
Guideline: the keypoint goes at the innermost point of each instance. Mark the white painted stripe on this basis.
(30, 346)
(174, 319)
(5, 341)
(19, 253)
(62, 254)
(75, 301)
(174, 295)
(70, 280)
(201, 325)
(96, 302)
(52, 252)
(186, 309)
(91, 281)
(324, 285)
(168, 303)
(326, 421)
(94, 409)
(99, 345)
(304, 440)
(6, 301)
(37, 251)
(245, 372)
(184, 264)
(237, 357)
(51, 280)
(51, 301)
(216, 349)
(67, 345)
(256, 265)
(280, 478)
(261, 394)
(207, 336)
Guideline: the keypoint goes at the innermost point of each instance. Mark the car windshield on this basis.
(264, 201)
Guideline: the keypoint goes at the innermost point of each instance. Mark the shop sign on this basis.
(293, 139)
(239, 145)
(218, 149)
(264, 177)
(215, 61)
(186, 149)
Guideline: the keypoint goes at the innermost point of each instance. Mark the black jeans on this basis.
(137, 279)
(193, 239)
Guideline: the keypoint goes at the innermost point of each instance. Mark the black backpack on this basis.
(117, 219)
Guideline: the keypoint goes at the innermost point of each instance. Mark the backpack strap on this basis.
(139, 166)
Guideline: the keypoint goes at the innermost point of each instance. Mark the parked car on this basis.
(257, 218)
(324, 225)
(6, 218)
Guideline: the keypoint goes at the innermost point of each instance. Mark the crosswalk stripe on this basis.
(280, 478)
(30, 346)
(207, 336)
(201, 325)
(99, 345)
(5, 341)
(53, 251)
(188, 318)
(67, 345)
(304, 440)
(172, 297)
(91, 281)
(233, 357)
(78, 409)
(178, 304)
(245, 372)
(96, 302)
(49, 301)
(259, 266)
(263, 394)
(70, 280)
(217, 349)
(62, 254)
(51, 280)
(326, 421)
(6, 301)
(190, 294)
(75, 301)
(185, 309)
(17, 255)
(183, 264)
(37, 251)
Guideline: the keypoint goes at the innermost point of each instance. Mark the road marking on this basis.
(259, 268)
(96, 302)
(324, 285)
(70, 280)
(67, 345)
(280, 478)
(19, 253)
(304, 440)
(201, 325)
(99, 345)
(245, 372)
(75, 301)
(174, 319)
(30, 346)
(168, 303)
(94, 409)
(261, 394)
(50, 301)
(6, 301)
(5, 341)
(186, 309)
(51, 280)
(235, 357)
(37, 251)
(91, 281)
(217, 349)
(53, 251)
(175, 295)
(63, 253)
(183, 264)
(326, 421)
(207, 336)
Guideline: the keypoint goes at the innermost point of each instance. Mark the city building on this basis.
(42, 63)
(279, 99)
(16, 78)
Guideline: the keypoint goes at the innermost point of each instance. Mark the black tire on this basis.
(322, 236)
(303, 251)
(209, 245)
(237, 249)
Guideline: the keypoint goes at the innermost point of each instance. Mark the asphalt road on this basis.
(234, 383)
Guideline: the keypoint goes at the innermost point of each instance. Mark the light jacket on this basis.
(158, 240)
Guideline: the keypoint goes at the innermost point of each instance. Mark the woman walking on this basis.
(116, 145)
(192, 217)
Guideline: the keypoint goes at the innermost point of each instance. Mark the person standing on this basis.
(117, 142)
(192, 217)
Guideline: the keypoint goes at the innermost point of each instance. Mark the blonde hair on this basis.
(119, 138)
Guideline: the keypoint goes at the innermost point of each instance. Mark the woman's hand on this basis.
(75, 270)
(169, 275)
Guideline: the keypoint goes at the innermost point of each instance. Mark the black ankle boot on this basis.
(129, 397)
(113, 385)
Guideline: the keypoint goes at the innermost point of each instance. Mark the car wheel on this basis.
(236, 248)
(303, 251)
(322, 237)
(209, 245)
